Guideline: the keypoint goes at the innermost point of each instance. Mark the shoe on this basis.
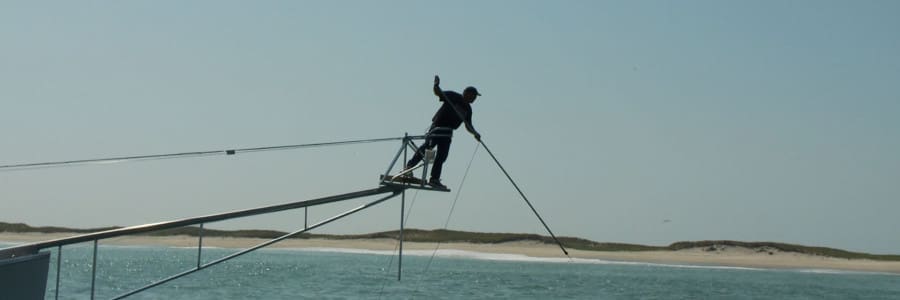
(407, 175)
(434, 182)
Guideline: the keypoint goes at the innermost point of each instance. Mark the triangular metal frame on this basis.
(411, 182)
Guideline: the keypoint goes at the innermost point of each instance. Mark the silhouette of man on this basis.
(455, 110)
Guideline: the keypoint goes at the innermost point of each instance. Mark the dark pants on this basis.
(443, 150)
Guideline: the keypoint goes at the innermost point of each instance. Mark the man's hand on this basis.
(437, 80)
(477, 136)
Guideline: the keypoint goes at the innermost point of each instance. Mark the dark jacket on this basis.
(446, 116)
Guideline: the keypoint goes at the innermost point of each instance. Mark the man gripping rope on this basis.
(455, 110)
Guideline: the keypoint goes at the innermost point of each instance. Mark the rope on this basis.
(526, 199)
(447, 222)
(121, 159)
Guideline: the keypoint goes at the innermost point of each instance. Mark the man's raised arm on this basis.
(437, 89)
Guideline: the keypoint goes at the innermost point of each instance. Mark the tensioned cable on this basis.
(450, 214)
(121, 159)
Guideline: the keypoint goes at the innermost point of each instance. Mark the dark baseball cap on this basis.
(471, 89)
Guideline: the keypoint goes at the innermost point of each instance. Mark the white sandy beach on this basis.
(725, 256)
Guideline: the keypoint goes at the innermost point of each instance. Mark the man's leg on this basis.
(443, 150)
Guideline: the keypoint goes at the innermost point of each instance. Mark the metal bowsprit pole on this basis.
(525, 198)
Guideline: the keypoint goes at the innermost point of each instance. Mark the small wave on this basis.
(454, 253)
(841, 272)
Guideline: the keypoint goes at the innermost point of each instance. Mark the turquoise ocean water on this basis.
(338, 274)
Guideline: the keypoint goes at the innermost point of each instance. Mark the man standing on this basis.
(455, 110)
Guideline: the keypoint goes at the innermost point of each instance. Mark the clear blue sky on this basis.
(744, 120)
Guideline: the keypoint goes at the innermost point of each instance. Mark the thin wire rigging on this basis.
(449, 215)
(192, 154)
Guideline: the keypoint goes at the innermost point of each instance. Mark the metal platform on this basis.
(409, 183)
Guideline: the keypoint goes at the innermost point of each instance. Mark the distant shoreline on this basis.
(451, 236)
(725, 256)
